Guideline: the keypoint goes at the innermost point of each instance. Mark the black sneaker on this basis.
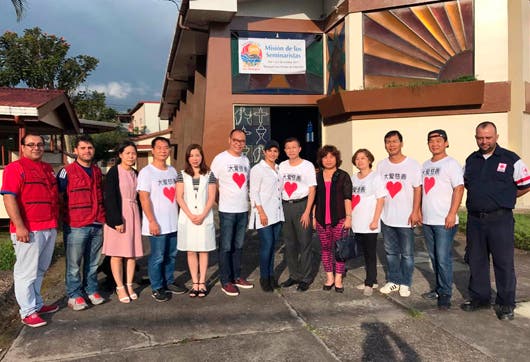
(160, 295)
(176, 289)
(504, 312)
(265, 284)
(289, 282)
(432, 295)
(474, 305)
(274, 284)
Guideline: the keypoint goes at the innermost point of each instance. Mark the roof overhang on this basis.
(91, 126)
(189, 42)
(53, 116)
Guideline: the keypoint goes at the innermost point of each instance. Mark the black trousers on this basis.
(369, 245)
(491, 235)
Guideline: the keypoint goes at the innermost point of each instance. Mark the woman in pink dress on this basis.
(122, 238)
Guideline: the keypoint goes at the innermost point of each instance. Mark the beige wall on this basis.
(498, 57)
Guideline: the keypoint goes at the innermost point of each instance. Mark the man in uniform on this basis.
(31, 201)
(494, 177)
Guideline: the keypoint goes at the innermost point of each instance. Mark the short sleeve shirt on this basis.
(232, 173)
(365, 193)
(296, 180)
(161, 187)
(439, 179)
(399, 179)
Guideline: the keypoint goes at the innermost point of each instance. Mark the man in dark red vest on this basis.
(31, 200)
(80, 185)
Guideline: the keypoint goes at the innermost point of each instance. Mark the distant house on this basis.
(144, 119)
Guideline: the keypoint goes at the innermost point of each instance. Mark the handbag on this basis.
(346, 247)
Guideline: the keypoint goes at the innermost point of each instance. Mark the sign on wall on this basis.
(271, 56)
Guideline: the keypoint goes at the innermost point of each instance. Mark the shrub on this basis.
(521, 233)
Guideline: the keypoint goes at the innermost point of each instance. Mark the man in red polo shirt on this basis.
(30, 197)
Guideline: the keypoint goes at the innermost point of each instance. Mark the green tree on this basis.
(39, 60)
(92, 105)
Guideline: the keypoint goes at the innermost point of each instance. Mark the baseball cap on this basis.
(437, 133)
(271, 144)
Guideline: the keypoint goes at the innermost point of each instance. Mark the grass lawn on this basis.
(522, 228)
(7, 253)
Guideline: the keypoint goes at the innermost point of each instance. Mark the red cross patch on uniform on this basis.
(501, 167)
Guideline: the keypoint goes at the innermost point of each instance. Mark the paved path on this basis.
(286, 325)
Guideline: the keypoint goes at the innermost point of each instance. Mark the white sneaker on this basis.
(389, 288)
(368, 291)
(404, 291)
(361, 286)
(77, 303)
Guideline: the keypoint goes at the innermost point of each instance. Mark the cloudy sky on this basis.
(131, 39)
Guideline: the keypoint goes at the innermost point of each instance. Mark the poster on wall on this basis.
(271, 56)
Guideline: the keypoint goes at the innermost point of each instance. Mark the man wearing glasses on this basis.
(231, 169)
(30, 197)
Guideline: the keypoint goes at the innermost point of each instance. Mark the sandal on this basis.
(132, 295)
(125, 299)
(194, 292)
(202, 292)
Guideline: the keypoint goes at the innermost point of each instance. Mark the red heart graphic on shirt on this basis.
(239, 179)
(428, 184)
(355, 199)
(290, 188)
(169, 192)
(393, 188)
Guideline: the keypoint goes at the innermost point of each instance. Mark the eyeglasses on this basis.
(34, 145)
(235, 140)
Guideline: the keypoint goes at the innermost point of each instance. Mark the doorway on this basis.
(300, 122)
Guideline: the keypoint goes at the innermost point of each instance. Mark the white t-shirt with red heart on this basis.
(399, 180)
(161, 187)
(439, 178)
(296, 180)
(232, 173)
(365, 193)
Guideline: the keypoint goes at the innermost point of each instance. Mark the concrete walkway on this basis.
(287, 325)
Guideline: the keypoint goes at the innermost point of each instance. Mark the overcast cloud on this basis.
(131, 39)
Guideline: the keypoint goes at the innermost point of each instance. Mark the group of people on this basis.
(290, 200)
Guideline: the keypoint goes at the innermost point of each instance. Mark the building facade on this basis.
(346, 72)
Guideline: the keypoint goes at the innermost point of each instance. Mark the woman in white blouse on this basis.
(267, 212)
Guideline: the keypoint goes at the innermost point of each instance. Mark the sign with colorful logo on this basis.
(271, 56)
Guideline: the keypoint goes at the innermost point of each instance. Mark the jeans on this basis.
(268, 236)
(233, 227)
(439, 241)
(161, 263)
(33, 260)
(83, 245)
(399, 250)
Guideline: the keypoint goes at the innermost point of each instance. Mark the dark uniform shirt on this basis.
(490, 182)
